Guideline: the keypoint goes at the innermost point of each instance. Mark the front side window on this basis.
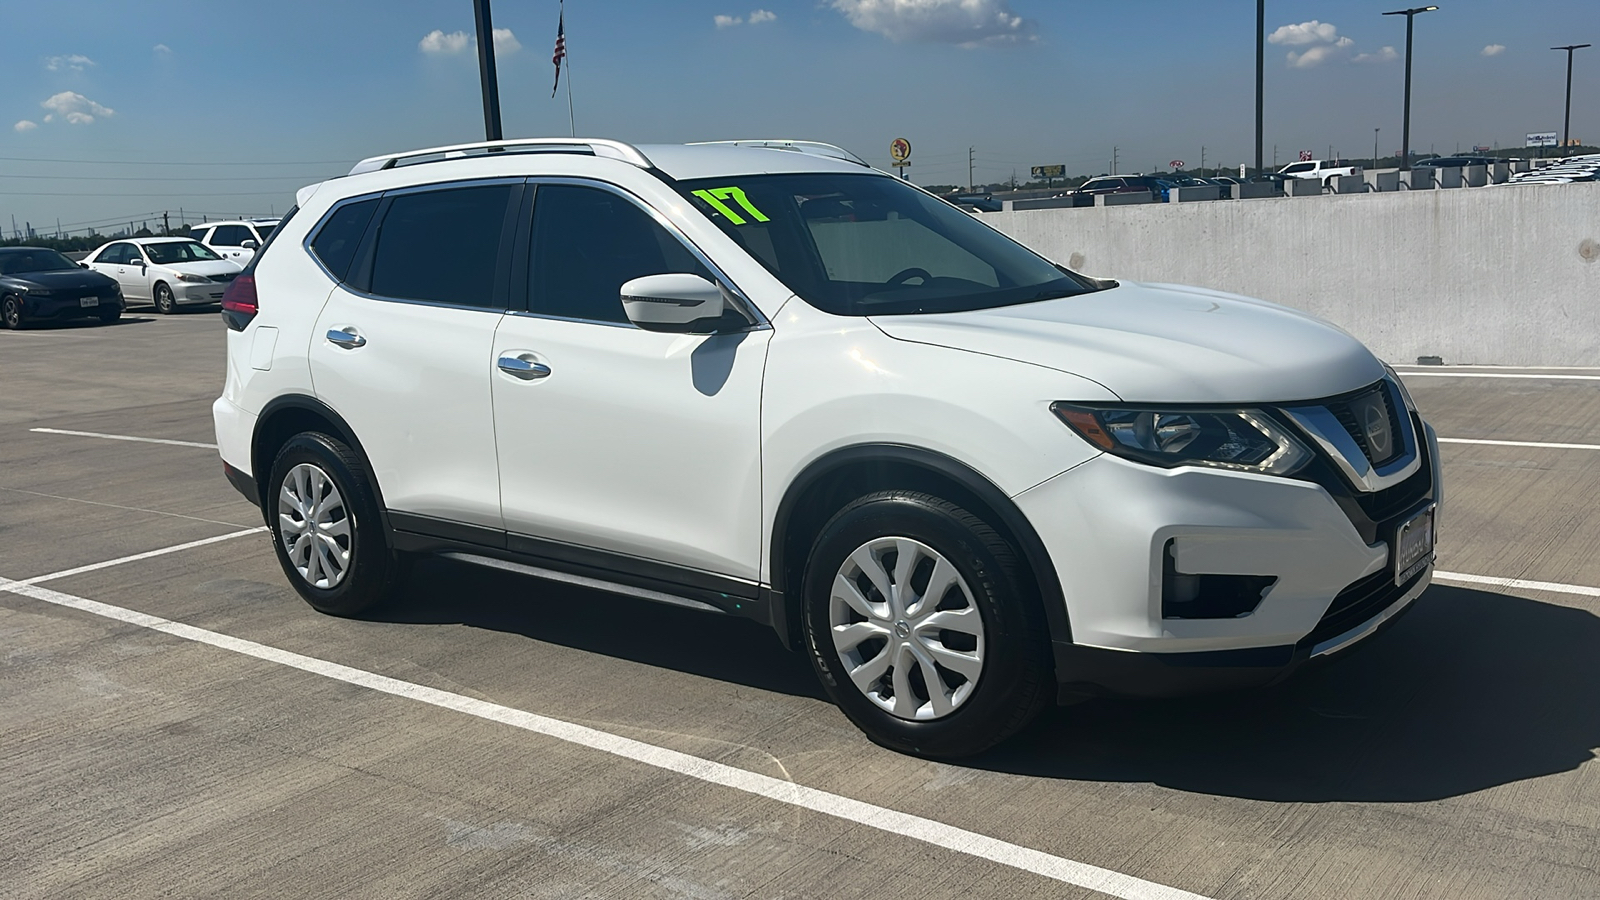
(441, 246)
(179, 252)
(1299, 167)
(865, 244)
(586, 243)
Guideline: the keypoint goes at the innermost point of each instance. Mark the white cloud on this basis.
(1316, 56)
(1494, 49)
(162, 49)
(76, 62)
(25, 125)
(762, 15)
(437, 43)
(74, 107)
(505, 43)
(1312, 32)
(1387, 54)
(964, 22)
(727, 21)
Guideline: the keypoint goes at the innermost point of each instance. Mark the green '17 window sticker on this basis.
(715, 196)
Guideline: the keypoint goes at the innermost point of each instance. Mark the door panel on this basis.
(635, 442)
(416, 393)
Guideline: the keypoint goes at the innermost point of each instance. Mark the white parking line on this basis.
(93, 567)
(1540, 444)
(858, 812)
(1404, 374)
(123, 437)
(1521, 583)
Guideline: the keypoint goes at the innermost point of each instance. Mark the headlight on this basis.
(40, 292)
(1243, 440)
(193, 279)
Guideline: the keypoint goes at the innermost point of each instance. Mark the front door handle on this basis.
(523, 367)
(346, 338)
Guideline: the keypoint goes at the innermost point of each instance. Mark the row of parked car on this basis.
(1573, 168)
(40, 284)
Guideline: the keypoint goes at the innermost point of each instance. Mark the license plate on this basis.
(88, 301)
(1413, 546)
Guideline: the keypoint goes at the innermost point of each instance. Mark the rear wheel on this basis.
(166, 304)
(327, 529)
(922, 628)
(11, 312)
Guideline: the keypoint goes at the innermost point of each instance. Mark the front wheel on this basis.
(11, 313)
(326, 527)
(166, 304)
(922, 628)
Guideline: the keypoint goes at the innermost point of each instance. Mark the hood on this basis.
(1162, 343)
(206, 267)
(65, 279)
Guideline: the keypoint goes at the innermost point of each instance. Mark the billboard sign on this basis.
(900, 151)
(1049, 171)
(1543, 139)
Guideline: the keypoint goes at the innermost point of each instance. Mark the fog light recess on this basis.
(1185, 596)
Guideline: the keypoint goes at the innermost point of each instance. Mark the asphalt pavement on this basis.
(182, 724)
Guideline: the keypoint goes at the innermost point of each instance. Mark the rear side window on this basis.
(441, 246)
(335, 242)
(1299, 167)
(586, 243)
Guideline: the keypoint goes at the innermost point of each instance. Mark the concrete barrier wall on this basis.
(1504, 275)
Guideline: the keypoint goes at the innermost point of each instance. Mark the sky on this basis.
(114, 110)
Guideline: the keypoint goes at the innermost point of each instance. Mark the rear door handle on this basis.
(523, 367)
(346, 338)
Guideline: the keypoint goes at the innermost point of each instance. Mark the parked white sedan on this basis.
(168, 272)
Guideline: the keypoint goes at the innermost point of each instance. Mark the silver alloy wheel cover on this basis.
(315, 527)
(890, 629)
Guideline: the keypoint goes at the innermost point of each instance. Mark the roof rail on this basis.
(815, 148)
(594, 146)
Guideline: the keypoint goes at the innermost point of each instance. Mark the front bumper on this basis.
(190, 294)
(56, 306)
(1111, 526)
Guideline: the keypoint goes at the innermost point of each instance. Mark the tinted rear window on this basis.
(442, 246)
(336, 241)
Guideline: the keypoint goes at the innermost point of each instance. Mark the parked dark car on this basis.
(1273, 178)
(974, 202)
(1451, 162)
(1160, 189)
(37, 283)
(1196, 181)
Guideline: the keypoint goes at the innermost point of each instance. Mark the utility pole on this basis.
(970, 187)
(1114, 160)
(1261, 76)
(1566, 132)
(1375, 147)
(166, 224)
(491, 85)
(1405, 134)
(1202, 160)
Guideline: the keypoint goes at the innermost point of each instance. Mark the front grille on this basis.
(1345, 412)
(1358, 603)
(225, 278)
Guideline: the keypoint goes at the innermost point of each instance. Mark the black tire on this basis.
(1015, 683)
(166, 304)
(373, 573)
(11, 313)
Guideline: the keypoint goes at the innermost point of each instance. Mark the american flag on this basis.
(561, 48)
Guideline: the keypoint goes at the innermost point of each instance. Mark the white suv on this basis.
(762, 379)
(235, 241)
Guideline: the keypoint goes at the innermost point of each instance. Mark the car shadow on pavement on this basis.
(726, 648)
(1472, 689)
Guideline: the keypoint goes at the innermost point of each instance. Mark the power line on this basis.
(144, 162)
(159, 194)
(162, 178)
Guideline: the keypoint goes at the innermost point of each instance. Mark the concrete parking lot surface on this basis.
(494, 736)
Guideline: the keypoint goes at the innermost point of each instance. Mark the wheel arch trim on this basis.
(786, 610)
(262, 467)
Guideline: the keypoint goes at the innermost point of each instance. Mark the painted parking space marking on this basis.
(859, 812)
(123, 437)
(1534, 375)
(149, 554)
(1519, 583)
(1545, 445)
(138, 509)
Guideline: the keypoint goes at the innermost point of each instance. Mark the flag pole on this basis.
(571, 122)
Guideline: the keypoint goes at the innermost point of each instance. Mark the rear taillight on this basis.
(239, 302)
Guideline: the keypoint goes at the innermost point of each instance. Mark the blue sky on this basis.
(272, 95)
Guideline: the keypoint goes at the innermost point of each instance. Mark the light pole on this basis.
(1566, 133)
(1375, 147)
(1261, 71)
(1405, 134)
(491, 84)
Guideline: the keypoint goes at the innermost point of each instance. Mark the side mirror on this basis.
(83, 265)
(249, 244)
(137, 261)
(680, 304)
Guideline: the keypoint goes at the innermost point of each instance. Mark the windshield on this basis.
(18, 262)
(170, 252)
(873, 245)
